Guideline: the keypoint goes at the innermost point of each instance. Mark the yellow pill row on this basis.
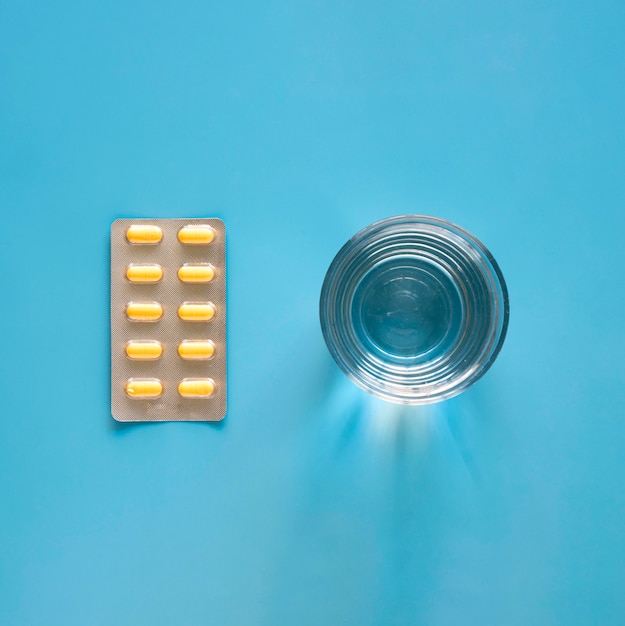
(193, 234)
(150, 388)
(189, 349)
(153, 311)
(147, 273)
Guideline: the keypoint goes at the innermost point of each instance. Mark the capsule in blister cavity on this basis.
(196, 349)
(196, 387)
(196, 234)
(140, 350)
(144, 272)
(144, 388)
(144, 311)
(196, 273)
(196, 311)
(144, 233)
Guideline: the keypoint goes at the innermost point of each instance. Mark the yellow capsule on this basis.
(144, 388)
(144, 311)
(196, 273)
(196, 234)
(196, 349)
(196, 387)
(196, 311)
(144, 350)
(144, 272)
(144, 233)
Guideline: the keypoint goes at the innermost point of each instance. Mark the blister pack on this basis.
(168, 320)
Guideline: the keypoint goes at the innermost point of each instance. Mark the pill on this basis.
(144, 388)
(144, 311)
(196, 311)
(196, 273)
(144, 350)
(144, 233)
(144, 272)
(196, 234)
(196, 349)
(196, 387)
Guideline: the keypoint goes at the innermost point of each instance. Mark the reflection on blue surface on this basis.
(298, 124)
(376, 483)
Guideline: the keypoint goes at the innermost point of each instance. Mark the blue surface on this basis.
(298, 124)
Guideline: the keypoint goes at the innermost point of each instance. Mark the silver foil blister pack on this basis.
(168, 320)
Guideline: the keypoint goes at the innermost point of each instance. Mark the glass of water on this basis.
(414, 309)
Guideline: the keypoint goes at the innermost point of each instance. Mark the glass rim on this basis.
(391, 382)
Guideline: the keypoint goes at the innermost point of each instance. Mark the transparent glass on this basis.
(414, 309)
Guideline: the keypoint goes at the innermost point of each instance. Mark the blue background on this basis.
(298, 124)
